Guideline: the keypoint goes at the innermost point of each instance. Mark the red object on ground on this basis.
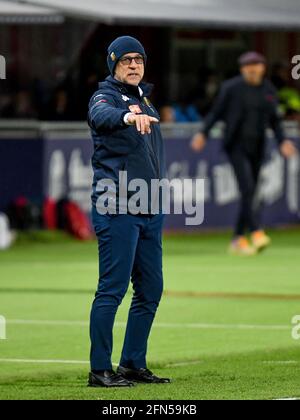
(78, 224)
(50, 214)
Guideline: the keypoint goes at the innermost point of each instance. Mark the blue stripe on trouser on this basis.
(129, 246)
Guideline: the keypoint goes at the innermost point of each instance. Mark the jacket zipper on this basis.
(151, 150)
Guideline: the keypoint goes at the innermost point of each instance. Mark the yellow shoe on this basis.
(241, 246)
(260, 240)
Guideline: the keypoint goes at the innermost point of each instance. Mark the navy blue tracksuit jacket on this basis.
(117, 146)
(130, 246)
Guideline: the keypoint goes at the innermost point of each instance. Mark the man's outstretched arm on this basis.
(103, 113)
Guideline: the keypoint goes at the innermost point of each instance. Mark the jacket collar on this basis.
(127, 89)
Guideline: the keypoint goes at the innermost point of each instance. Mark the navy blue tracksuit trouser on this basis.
(129, 247)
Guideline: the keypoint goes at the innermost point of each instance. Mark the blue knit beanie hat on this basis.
(119, 47)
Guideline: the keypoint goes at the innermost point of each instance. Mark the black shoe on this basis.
(141, 375)
(108, 379)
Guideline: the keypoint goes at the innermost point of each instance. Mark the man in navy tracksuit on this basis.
(127, 138)
(248, 105)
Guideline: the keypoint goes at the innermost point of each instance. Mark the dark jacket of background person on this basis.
(229, 108)
(117, 146)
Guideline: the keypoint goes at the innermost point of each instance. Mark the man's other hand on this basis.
(198, 142)
(142, 122)
(288, 149)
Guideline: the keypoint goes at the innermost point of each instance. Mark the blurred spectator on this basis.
(19, 106)
(185, 110)
(207, 89)
(167, 114)
(41, 93)
(59, 107)
(186, 113)
(86, 90)
(5, 101)
(180, 113)
(41, 100)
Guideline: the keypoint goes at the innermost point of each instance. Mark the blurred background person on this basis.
(167, 114)
(248, 105)
(20, 106)
(59, 108)
(206, 89)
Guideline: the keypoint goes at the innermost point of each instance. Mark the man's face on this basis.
(254, 73)
(130, 69)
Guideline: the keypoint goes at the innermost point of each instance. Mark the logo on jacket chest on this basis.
(135, 109)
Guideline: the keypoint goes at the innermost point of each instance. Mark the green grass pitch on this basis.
(223, 330)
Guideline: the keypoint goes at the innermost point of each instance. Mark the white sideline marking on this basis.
(269, 362)
(46, 361)
(81, 362)
(156, 325)
(281, 362)
(86, 362)
(49, 361)
(47, 322)
(195, 362)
